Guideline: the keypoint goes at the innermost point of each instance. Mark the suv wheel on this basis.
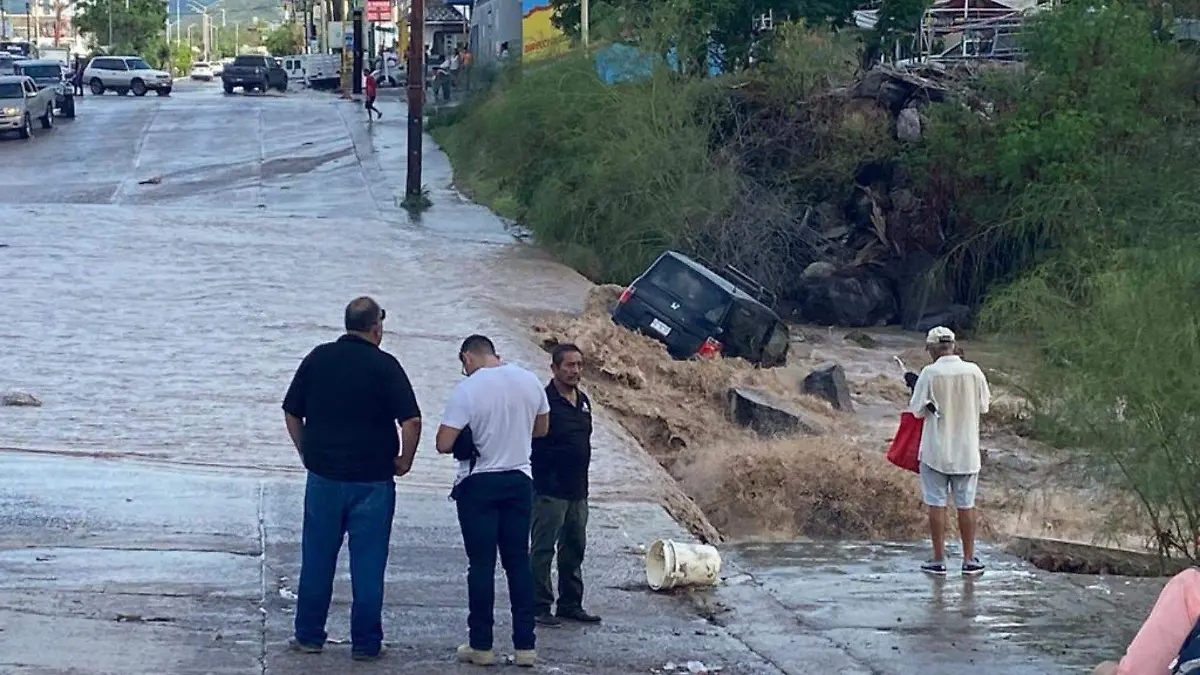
(97, 86)
(47, 120)
(26, 131)
(163, 91)
(138, 87)
(227, 87)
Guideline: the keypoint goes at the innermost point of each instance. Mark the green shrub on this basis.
(609, 175)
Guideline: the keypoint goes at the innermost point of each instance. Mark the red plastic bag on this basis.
(905, 451)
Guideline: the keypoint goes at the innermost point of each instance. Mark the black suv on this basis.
(695, 311)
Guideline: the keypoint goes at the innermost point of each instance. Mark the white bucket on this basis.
(670, 564)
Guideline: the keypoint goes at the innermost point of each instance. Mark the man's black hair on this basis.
(362, 314)
(561, 350)
(478, 344)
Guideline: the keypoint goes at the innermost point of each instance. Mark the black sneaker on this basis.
(578, 615)
(303, 647)
(936, 567)
(363, 656)
(547, 619)
(972, 567)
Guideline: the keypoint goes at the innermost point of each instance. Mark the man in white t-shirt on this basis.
(951, 394)
(500, 408)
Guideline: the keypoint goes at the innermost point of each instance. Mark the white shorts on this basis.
(936, 485)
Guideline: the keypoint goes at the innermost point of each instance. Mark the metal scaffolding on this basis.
(965, 30)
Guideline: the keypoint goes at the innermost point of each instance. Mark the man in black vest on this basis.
(560, 483)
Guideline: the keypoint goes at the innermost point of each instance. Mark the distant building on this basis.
(495, 23)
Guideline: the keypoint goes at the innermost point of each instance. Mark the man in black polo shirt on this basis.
(342, 409)
(560, 484)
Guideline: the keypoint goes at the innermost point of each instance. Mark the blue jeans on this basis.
(331, 510)
(494, 511)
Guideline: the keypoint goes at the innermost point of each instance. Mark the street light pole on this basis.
(416, 100)
(110, 31)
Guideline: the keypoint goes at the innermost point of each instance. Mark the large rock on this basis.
(767, 415)
(908, 125)
(829, 382)
(926, 299)
(845, 301)
(18, 398)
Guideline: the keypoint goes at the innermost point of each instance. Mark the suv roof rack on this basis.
(751, 286)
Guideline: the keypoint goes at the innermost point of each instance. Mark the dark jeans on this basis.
(493, 512)
(561, 524)
(331, 510)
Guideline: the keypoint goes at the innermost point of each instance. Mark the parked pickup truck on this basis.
(254, 73)
(47, 74)
(21, 101)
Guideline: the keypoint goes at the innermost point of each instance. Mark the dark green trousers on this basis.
(559, 526)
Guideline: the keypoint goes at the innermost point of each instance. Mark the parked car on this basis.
(697, 312)
(124, 74)
(21, 101)
(202, 71)
(254, 73)
(218, 67)
(47, 73)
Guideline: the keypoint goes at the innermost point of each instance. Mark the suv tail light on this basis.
(625, 296)
(710, 349)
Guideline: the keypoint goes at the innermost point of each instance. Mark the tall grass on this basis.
(607, 176)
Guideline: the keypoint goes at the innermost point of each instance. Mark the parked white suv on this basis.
(126, 73)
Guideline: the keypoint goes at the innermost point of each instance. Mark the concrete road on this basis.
(164, 265)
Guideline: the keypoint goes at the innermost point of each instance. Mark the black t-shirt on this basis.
(560, 459)
(350, 395)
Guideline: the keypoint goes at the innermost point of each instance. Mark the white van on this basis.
(317, 71)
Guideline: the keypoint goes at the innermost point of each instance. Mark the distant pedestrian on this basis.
(77, 77)
(454, 66)
(505, 408)
(342, 409)
(560, 488)
(370, 90)
(950, 394)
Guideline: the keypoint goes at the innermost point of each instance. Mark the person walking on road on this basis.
(505, 408)
(370, 90)
(950, 394)
(77, 77)
(341, 410)
(560, 486)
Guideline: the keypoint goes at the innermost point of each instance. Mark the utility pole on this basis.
(110, 31)
(3, 22)
(416, 99)
(356, 84)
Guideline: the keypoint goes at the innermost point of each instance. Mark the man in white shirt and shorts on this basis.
(950, 394)
(504, 407)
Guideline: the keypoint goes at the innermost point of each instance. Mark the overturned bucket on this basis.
(671, 564)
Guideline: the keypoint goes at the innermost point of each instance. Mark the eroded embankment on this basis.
(824, 486)
(837, 484)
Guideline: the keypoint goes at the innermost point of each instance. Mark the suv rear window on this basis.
(51, 70)
(693, 289)
(248, 61)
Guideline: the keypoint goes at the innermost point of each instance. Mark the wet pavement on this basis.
(164, 265)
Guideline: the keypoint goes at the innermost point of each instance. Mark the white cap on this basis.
(939, 334)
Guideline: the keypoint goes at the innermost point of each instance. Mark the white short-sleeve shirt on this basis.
(959, 392)
(500, 405)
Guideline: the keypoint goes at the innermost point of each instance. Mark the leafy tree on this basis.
(283, 40)
(137, 29)
(898, 22)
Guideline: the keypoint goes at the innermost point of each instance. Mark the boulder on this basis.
(954, 317)
(908, 125)
(845, 301)
(768, 416)
(862, 339)
(819, 270)
(18, 398)
(829, 382)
